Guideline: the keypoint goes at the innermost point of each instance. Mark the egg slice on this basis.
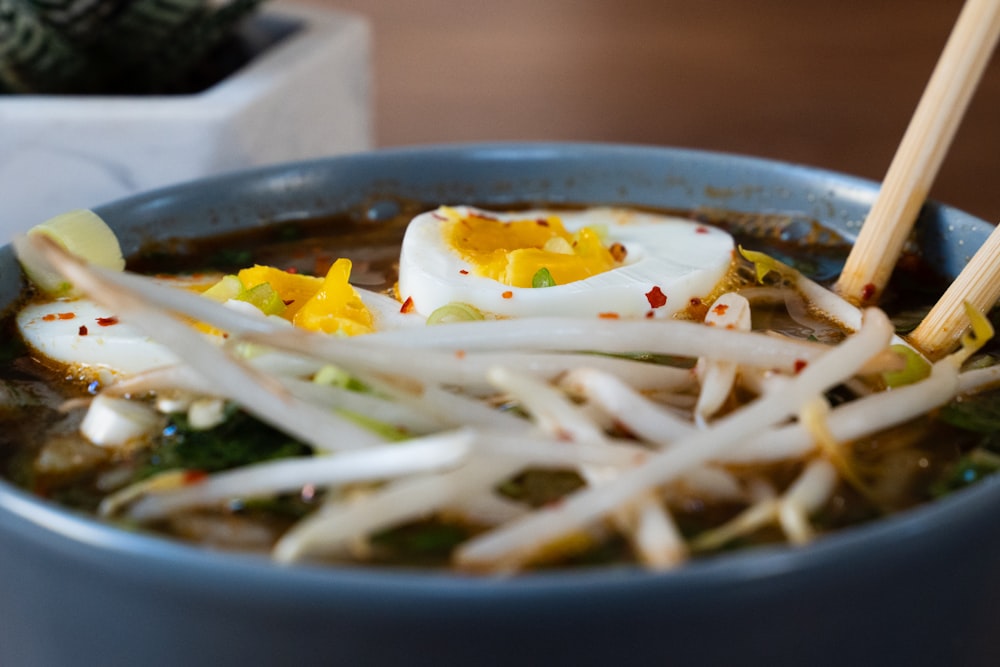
(90, 340)
(94, 344)
(603, 262)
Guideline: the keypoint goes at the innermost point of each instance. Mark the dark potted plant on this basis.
(118, 46)
(103, 98)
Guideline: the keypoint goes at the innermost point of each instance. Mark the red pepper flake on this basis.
(508, 295)
(66, 316)
(107, 321)
(292, 270)
(194, 476)
(800, 364)
(288, 302)
(695, 301)
(464, 272)
(608, 316)
(868, 293)
(650, 314)
(49, 318)
(700, 229)
(618, 252)
(82, 331)
(656, 297)
(407, 306)
(460, 354)
(720, 309)
(542, 223)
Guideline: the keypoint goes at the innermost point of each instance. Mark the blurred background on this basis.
(821, 83)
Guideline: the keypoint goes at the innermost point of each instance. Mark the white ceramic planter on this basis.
(307, 95)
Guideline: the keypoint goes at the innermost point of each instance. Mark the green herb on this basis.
(979, 413)
(966, 471)
(542, 278)
(239, 440)
(420, 542)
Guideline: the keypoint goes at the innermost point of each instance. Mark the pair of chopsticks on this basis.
(908, 181)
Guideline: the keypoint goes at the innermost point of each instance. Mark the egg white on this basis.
(93, 343)
(70, 332)
(684, 259)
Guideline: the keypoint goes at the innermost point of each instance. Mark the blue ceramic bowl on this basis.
(922, 587)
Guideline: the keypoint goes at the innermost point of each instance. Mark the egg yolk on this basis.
(294, 289)
(336, 307)
(327, 304)
(514, 252)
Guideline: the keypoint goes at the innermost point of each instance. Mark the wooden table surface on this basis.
(821, 83)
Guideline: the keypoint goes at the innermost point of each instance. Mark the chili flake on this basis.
(656, 297)
(407, 306)
(82, 331)
(107, 321)
(194, 476)
(507, 295)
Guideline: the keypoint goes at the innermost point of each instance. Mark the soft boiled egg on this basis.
(604, 262)
(96, 344)
(89, 339)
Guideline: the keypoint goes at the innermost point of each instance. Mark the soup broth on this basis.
(718, 508)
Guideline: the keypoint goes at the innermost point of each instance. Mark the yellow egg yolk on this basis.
(514, 252)
(327, 304)
(336, 307)
(294, 289)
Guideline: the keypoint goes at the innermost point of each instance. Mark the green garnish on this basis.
(81, 232)
(238, 441)
(264, 297)
(916, 368)
(336, 376)
(968, 470)
(979, 413)
(764, 263)
(455, 312)
(542, 278)
(228, 287)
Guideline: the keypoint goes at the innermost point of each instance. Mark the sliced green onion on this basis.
(542, 278)
(917, 368)
(229, 287)
(455, 312)
(264, 297)
(84, 234)
(335, 376)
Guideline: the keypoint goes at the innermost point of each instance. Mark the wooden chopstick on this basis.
(978, 284)
(920, 153)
